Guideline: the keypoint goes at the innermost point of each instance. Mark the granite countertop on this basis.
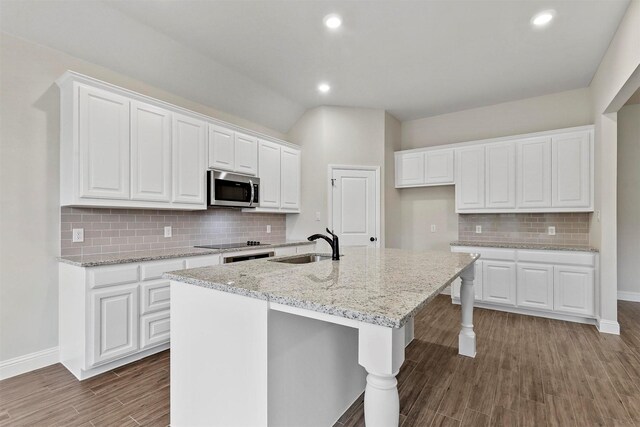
(152, 255)
(535, 246)
(381, 286)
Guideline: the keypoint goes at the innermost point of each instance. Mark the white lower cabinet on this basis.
(477, 283)
(558, 284)
(154, 329)
(154, 296)
(499, 280)
(114, 329)
(535, 286)
(573, 290)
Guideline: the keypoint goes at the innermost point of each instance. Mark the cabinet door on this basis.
(438, 167)
(150, 153)
(114, 329)
(500, 175)
(499, 282)
(571, 170)
(477, 283)
(573, 290)
(533, 173)
(409, 169)
(246, 154)
(155, 329)
(221, 148)
(103, 143)
(470, 178)
(535, 286)
(189, 140)
(290, 178)
(269, 161)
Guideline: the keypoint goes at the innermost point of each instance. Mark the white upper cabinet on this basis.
(500, 176)
(221, 148)
(103, 144)
(232, 151)
(409, 169)
(246, 154)
(290, 179)
(533, 168)
(438, 167)
(189, 139)
(150, 153)
(269, 160)
(424, 168)
(571, 170)
(470, 174)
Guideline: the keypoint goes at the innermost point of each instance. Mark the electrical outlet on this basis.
(478, 229)
(167, 231)
(268, 228)
(552, 231)
(433, 228)
(77, 235)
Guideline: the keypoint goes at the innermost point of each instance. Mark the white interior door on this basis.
(355, 206)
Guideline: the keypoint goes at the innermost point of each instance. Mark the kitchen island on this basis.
(275, 342)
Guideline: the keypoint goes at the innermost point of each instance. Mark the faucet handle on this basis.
(330, 232)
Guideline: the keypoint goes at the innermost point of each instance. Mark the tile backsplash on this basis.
(571, 228)
(123, 230)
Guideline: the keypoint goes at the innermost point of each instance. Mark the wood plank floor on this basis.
(528, 372)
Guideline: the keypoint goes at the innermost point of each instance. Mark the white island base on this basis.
(241, 361)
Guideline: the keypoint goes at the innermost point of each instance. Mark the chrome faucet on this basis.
(335, 245)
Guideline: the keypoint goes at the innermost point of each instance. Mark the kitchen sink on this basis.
(303, 259)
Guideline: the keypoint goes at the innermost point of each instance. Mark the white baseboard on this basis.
(629, 296)
(608, 327)
(28, 362)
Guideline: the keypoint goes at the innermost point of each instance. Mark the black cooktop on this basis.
(233, 245)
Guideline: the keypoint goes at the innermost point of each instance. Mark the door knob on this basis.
(373, 239)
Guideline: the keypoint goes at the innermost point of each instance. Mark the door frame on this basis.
(376, 169)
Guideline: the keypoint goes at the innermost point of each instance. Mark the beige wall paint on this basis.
(629, 199)
(421, 207)
(332, 135)
(392, 209)
(620, 66)
(29, 186)
(555, 111)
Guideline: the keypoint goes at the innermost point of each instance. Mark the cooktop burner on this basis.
(233, 245)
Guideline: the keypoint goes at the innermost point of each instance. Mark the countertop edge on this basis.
(186, 254)
(527, 246)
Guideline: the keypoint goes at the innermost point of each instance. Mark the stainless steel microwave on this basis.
(232, 190)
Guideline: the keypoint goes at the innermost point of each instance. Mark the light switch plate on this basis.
(167, 231)
(77, 235)
(478, 229)
(268, 228)
(433, 228)
(552, 231)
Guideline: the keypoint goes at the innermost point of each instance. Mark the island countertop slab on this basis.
(385, 287)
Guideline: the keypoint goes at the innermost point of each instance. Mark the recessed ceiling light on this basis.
(324, 88)
(543, 18)
(332, 21)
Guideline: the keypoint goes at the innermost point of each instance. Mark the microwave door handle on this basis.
(253, 191)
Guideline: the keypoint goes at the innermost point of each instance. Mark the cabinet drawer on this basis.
(155, 270)
(202, 261)
(113, 275)
(558, 257)
(155, 296)
(155, 329)
(487, 253)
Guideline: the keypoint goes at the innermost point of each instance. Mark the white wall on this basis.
(421, 207)
(29, 186)
(392, 209)
(629, 199)
(617, 78)
(332, 135)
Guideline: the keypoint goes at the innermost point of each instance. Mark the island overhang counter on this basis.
(269, 343)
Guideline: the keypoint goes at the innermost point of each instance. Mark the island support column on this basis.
(467, 338)
(381, 353)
